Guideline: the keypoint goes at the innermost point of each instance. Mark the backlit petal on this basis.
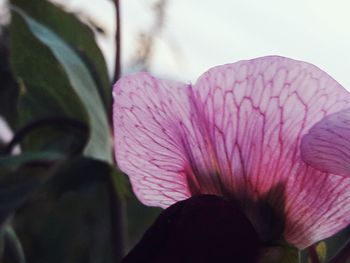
(5, 131)
(327, 145)
(147, 115)
(235, 133)
(256, 113)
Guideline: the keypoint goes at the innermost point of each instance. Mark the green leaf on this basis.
(13, 162)
(280, 254)
(72, 92)
(330, 247)
(77, 173)
(70, 218)
(46, 92)
(140, 218)
(291, 255)
(2, 240)
(20, 176)
(13, 251)
(78, 35)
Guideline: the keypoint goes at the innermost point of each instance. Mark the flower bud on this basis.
(204, 228)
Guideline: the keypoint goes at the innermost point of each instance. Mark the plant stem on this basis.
(117, 208)
(13, 247)
(313, 254)
(116, 200)
(54, 121)
(117, 69)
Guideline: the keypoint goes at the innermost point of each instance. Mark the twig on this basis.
(13, 247)
(313, 254)
(116, 203)
(117, 211)
(117, 69)
(54, 121)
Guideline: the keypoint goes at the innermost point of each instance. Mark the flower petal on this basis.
(327, 145)
(147, 113)
(6, 135)
(235, 133)
(5, 131)
(257, 111)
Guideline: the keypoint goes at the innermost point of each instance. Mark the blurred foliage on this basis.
(20, 176)
(72, 91)
(334, 243)
(60, 197)
(146, 40)
(140, 218)
(78, 36)
(69, 219)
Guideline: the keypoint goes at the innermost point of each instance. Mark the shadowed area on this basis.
(267, 214)
(204, 228)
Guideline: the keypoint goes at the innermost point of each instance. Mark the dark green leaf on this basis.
(140, 218)
(291, 255)
(13, 251)
(13, 162)
(78, 35)
(77, 173)
(334, 243)
(45, 88)
(50, 72)
(280, 254)
(70, 218)
(21, 175)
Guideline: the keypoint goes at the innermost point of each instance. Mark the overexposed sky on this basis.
(199, 34)
(209, 33)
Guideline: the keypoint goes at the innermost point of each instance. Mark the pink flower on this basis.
(327, 145)
(237, 133)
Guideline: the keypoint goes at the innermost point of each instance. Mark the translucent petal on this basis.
(147, 114)
(327, 145)
(257, 111)
(235, 133)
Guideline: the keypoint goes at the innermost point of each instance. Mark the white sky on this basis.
(200, 34)
(210, 33)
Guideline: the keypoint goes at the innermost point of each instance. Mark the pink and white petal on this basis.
(319, 207)
(5, 131)
(256, 113)
(327, 145)
(147, 116)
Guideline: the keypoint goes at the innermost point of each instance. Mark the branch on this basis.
(54, 121)
(313, 254)
(117, 69)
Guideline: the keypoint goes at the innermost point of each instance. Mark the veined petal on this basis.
(149, 115)
(256, 113)
(327, 145)
(159, 140)
(235, 133)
